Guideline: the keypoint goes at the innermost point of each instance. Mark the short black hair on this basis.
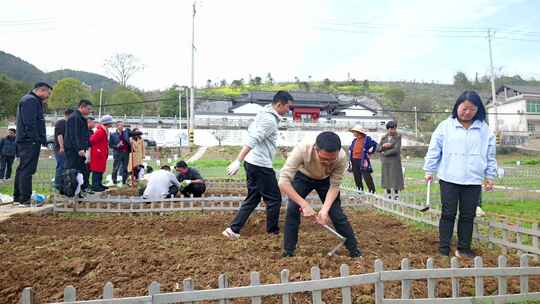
(84, 103)
(391, 124)
(68, 111)
(42, 84)
(328, 141)
(474, 98)
(166, 167)
(282, 97)
(149, 169)
(12, 130)
(181, 164)
(92, 118)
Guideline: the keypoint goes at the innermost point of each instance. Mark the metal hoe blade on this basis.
(339, 236)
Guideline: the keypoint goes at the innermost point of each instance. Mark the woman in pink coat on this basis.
(99, 152)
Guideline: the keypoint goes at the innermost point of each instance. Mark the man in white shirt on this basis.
(160, 184)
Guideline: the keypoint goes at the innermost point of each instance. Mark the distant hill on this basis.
(96, 81)
(18, 69)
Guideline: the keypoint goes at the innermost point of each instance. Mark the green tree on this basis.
(67, 93)
(461, 82)
(393, 98)
(327, 83)
(11, 92)
(125, 102)
(169, 105)
(269, 79)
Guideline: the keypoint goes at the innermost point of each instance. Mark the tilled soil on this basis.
(51, 252)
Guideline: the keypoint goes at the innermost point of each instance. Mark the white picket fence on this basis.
(316, 286)
(523, 237)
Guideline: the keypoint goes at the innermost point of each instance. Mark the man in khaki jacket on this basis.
(316, 166)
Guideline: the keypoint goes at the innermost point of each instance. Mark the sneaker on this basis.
(465, 253)
(20, 205)
(287, 254)
(231, 235)
(480, 212)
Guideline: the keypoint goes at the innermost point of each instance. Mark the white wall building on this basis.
(520, 110)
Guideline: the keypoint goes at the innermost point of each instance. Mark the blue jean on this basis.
(60, 159)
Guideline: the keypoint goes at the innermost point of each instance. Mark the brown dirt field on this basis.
(51, 252)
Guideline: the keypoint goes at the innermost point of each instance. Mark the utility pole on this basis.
(100, 100)
(416, 122)
(493, 92)
(180, 108)
(188, 122)
(192, 92)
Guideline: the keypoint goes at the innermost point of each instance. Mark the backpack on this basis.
(69, 182)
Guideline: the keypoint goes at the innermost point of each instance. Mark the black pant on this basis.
(465, 197)
(196, 189)
(303, 185)
(86, 177)
(6, 162)
(75, 161)
(120, 163)
(97, 181)
(261, 183)
(28, 161)
(358, 173)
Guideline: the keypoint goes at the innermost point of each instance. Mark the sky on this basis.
(386, 40)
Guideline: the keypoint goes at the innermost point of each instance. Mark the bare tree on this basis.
(219, 135)
(122, 66)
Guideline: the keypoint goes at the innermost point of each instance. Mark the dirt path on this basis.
(200, 152)
(51, 252)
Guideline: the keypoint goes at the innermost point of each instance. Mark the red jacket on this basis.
(99, 151)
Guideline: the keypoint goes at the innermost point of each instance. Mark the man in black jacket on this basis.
(59, 149)
(77, 139)
(30, 136)
(8, 150)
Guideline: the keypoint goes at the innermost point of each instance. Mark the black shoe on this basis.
(98, 189)
(355, 254)
(287, 254)
(465, 253)
(445, 252)
(81, 195)
(272, 233)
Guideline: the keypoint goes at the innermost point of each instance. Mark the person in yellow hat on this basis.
(359, 150)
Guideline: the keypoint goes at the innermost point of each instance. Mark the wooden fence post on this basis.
(454, 263)
(108, 291)
(285, 298)
(524, 280)
(345, 291)
(379, 285)
(223, 283)
(255, 280)
(316, 295)
(501, 280)
(431, 283)
(70, 294)
(154, 288)
(405, 284)
(28, 296)
(188, 285)
(478, 280)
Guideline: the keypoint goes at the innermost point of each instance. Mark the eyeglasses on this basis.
(325, 159)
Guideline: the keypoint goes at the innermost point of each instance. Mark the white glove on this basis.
(233, 168)
(185, 183)
(480, 212)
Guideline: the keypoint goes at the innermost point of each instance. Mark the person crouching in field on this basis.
(462, 152)
(316, 166)
(161, 184)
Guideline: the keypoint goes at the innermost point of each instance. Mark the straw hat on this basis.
(359, 129)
